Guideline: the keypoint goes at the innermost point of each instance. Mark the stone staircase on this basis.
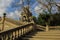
(42, 35)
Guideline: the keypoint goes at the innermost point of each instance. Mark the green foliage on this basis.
(40, 19)
(56, 19)
(43, 19)
(35, 19)
(50, 19)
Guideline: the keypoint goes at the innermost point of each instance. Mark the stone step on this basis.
(50, 35)
(42, 39)
(48, 32)
(46, 36)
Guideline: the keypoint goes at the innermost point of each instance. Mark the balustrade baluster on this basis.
(8, 36)
(15, 34)
(5, 37)
(25, 30)
(18, 33)
(0, 37)
(21, 32)
(12, 35)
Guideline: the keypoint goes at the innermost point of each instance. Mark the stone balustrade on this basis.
(16, 33)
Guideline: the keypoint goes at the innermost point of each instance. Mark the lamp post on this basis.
(4, 15)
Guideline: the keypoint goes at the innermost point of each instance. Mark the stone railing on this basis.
(48, 28)
(16, 33)
(13, 21)
(54, 27)
(41, 27)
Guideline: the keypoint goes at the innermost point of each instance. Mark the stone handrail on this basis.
(13, 21)
(54, 27)
(41, 27)
(16, 33)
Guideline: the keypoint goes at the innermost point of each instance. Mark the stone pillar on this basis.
(4, 15)
(47, 28)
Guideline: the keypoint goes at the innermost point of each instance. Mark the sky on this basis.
(13, 7)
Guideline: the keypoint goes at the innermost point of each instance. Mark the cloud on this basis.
(14, 15)
(38, 9)
(18, 13)
(58, 4)
(14, 5)
(3, 5)
(2, 11)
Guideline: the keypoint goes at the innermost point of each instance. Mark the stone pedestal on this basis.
(47, 28)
